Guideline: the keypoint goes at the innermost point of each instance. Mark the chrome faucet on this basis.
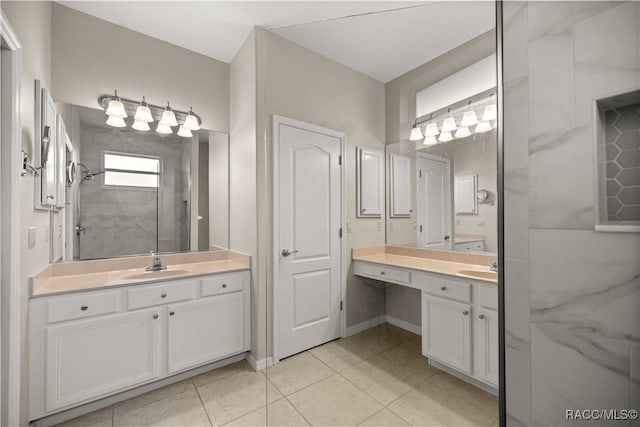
(494, 265)
(157, 264)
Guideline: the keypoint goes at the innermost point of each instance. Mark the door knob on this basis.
(287, 252)
(465, 312)
(481, 316)
(447, 237)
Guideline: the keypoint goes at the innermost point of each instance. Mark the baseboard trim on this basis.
(363, 326)
(416, 329)
(259, 364)
(481, 385)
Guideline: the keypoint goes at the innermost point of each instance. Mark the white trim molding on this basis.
(10, 304)
(259, 364)
(385, 318)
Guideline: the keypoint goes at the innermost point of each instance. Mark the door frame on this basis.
(440, 159)
(277, 121)
(10, 228)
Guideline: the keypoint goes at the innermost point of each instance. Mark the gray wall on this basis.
(572, 294)
(92, 57)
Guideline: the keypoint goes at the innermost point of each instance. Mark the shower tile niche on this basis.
(618, 162)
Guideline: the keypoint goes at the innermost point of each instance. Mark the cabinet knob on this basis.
(171, 313)
(84, 308)
(443, 288)
(224, 285)
(481, 316)
(465, 312)
(382, 273)
(155, 316)
(163, 295)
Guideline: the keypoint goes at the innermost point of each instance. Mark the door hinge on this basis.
(421, 229)
(340, 160)
(420, 174)
(340, 233)
(340, 305)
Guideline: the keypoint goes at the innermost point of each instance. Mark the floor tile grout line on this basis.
(296, 409)
(203, 405)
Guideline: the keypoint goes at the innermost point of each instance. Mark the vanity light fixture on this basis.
(469, 118)
(143, 113)
(430, 140)
(483, 126)
(449, 124)
(191, 122)
(432, 128)
(116, 122)
(116, 108)
(163, 129)
(141, 126)
(184, 132)
(416, 133)
(445, 136)
(462, 132)
(168, 117)
(490, 111)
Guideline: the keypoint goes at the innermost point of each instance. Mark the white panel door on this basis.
(446, 332)
(91, 358)
(433, 202)
(223, 318)
(309, 192)
(486, 352)
(400, 186)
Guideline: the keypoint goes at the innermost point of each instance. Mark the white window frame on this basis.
(130, 187)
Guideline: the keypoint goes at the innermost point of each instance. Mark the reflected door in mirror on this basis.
(434, 202)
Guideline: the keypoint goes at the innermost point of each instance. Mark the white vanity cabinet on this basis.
(446, 331)
(89, 345)
(485, 327)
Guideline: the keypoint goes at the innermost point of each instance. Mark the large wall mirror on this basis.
(131, 192)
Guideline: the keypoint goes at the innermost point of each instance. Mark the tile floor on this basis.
(375, 378)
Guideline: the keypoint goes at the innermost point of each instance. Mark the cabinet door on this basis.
(400, 186)
(87, 359)
(48, 194)
(370, 182)
(486, 327)
(446, 332)
(205, 330)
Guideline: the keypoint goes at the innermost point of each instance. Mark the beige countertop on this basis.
(48, 283)
(426, 260)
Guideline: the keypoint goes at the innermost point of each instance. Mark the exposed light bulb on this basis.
(141, 126)
(416, 133)
(430, 140)
(462, 132)
(469, 119)
(432, 130)
(449, 124)
(184, 132)
(191, 121)
(163, 129)
(482, 126)
(116, 122)
(168, 117)
(143, 113)
(445, 136)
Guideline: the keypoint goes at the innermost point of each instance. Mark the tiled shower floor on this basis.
(375, 378)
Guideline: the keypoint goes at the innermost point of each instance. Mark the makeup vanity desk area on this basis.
(459, 298)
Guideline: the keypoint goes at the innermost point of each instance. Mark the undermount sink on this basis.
(157, 274)
(482, 274)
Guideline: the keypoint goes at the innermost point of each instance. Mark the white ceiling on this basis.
(380, 45)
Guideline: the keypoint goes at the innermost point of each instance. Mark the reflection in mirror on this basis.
(472, 164)
(135, 192)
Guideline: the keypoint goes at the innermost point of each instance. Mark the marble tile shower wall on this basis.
(572, 294)
(132, 221)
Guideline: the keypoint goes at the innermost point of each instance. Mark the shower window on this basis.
(125, 170)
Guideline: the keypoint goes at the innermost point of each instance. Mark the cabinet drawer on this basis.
(383, 272)
(222, 284)
(160, 294)
(448, 288)
(478, 246)
(463, 247)
(488, 296)
(81, 306)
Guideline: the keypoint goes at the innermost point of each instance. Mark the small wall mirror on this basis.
(465, 189)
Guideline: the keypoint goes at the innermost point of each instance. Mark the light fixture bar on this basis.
(131, 105)
(480, 100)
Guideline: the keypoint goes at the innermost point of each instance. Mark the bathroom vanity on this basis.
(459, 299)
(110, 329)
